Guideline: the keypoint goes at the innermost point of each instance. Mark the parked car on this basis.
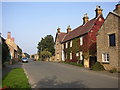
(25, 60)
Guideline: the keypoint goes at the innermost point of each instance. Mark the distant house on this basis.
(108, 41)
(12, 46)
(79, 45)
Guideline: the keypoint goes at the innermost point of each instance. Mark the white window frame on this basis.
(77, 54)
(81, 57)
(70, 55)
(105, 58)
(81, 40)
(66, 44)
(71, 43)
(62, 46)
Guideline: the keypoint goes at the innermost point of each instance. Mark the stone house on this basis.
(79, 45)
(12, 46)
(108, 41)
(58, 46)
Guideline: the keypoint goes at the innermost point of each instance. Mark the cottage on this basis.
(108, 41)
(58, 46)
(79, 45)
(12, 46)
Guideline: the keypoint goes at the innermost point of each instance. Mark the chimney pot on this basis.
(117, 9)
(98, 11)
(9, 35)
(85, 18)
(68, 29)
(58, 30)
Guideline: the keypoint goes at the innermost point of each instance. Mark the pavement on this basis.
(59, 75)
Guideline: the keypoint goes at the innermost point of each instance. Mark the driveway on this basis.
(59, 75)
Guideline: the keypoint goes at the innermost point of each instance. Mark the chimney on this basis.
(117, 9)
(13, 39)
(9, 35)
(85, 18)
(58, 30)
(98, 11)
(68, 29)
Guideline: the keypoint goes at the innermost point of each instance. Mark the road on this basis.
(59, 75)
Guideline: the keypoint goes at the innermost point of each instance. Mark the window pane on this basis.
(112, 39)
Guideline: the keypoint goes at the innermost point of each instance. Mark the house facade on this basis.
(108, 41)
(79, 45)
(58, 46)
(12, 46)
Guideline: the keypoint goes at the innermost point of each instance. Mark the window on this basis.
(70, 55)
(66, 45)
(81, 57)
(77, 54)
(105, 57)
(66, 55)
(112, 40)
(70, 43)
(62, 46)
(81, 40)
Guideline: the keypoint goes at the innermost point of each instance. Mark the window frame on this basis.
(105, 58)
(110, 43)
(81, 40)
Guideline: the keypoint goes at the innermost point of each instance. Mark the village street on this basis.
(59, 75)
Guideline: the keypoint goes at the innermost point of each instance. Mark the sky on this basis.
(28, 22)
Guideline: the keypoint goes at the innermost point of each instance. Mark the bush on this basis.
(76, 64)
(114, 70)
(97, 67)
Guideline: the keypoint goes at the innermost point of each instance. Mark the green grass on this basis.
(16, 79)
(75, 64)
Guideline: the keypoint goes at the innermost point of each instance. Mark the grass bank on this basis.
(15, 79)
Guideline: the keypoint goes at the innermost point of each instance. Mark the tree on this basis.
(47, 43)
(19, 52)
(45, 54)
(27, 55)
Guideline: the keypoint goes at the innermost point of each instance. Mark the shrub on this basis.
(97, 67)
(114, 70)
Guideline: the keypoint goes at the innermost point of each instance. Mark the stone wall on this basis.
(110, 26)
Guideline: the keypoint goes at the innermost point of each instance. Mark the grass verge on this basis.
(15, 79)
(75, 64)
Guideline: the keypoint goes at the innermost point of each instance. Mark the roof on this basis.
(79, 31)
(61, 35)
(114, 13)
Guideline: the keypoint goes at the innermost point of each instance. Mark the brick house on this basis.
(58, 46)
(108, 41)
(79, 45)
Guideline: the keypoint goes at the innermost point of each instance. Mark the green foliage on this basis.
(16, 79)
(75, 47)
(19, 52)
(114, 70)
(72, 63)
(46, 54)
(27, 55)
(97, 67)
(47, 43)
(5, 51)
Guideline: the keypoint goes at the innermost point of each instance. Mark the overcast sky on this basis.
(29, 21)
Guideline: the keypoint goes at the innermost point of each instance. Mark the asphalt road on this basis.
(59, 75)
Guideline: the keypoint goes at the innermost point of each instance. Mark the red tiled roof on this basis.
(83, 29)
